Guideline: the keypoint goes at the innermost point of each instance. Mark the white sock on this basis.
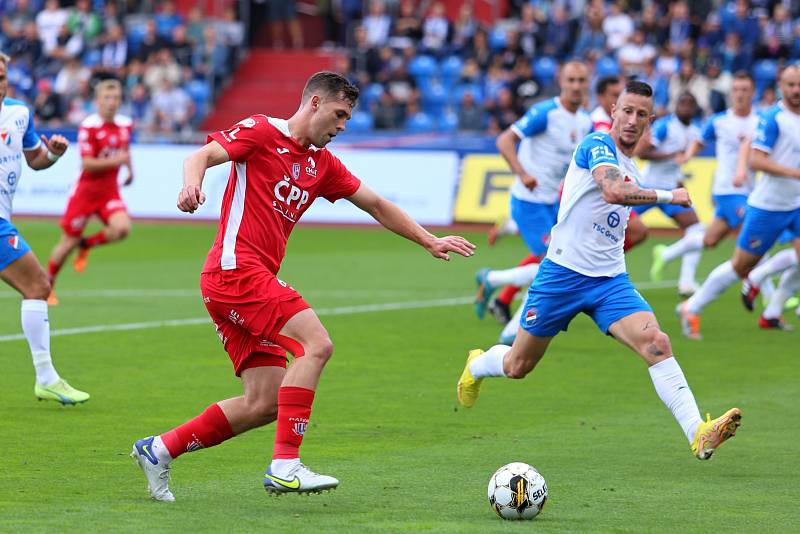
(509, 227)
(161, 451)
(280, 467)
(769, 266)
(788, 286)
(689, 269)
(37, 330)
(518, 276)
(675, 393)
(691, 241)
(490, 363)
(512, 326)
(717, 282)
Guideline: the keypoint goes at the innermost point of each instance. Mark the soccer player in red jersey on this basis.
(104, 140)
(278, 168)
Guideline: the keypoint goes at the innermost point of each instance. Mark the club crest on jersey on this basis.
(296, 170)
(5, 135)
(531, 316)
(14, 241)
(311, 168)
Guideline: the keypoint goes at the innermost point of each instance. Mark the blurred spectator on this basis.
(386, 113)
(769, 97)
(210, 59)
(163, 67)
(711, 34)
(511, 51)
(591, 39)
(732, 56)
(559, 34)
(81, 105)
(48, 23)
(114, 51)
(780, 27)
(635, 54)
(280, 12)
(680, 26)
(407, 26)
(502, 114)
(435, 30)
(496, 79)
(470, 116)
(668, 61)
(618, 26)
(377, 24)
(26, 46)
(167, 19)
(151, 42)
(84, 24)
(231, 34)
(182, 49)
(138, 103)
(522, 85)
(47, 105)
(195, 25)
(171, 108)
(654, 28)
(688, 80)
(69, 78)
(744, 24)
(134, 75)
(464, 29)
(111, 15)
(480, 51)
(402, 86)
(772, 48)
(364, 59)
(15, 21)
(529, 30)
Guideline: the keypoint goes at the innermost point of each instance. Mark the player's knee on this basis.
(741, 268)
(709, 242)
(39, 289)
(321, 349)
(658, 344)
(118, 232)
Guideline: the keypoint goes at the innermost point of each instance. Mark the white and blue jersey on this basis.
(584, 271)
(727, 131)
(17, 134)
(774, 204)
(549, 135)
(668, 134)
(778, 134)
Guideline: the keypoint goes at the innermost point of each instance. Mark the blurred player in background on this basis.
(279, 167)
(772, 208)
(104, 140)
(19, 267)
(670, 137)
(585, 271)
(547, 135)
(733, 181)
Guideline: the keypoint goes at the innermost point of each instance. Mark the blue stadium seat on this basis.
(450, 69)
(92, 57)
(544, 70)
(422, 68)
(420, 122)
(497, 38)
(372, 93)
(200, 93)
(607, 66)
(448, 121)
(434, 97)
(361, 121)
(765, 71)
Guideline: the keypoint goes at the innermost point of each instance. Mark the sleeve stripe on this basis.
(604, 163)
(34, 147)
(762, 148)
(514, 128)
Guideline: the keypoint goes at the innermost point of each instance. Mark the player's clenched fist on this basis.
(190, 198)
(680, 197)
(57, 144)
(440, 246)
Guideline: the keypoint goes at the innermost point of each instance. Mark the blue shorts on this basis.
(12, 245)
(558, 294)
(761, 229)
(670, 210)
(534, 221)
(730, 208)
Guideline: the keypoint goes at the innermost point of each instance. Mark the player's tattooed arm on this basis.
(616, 190)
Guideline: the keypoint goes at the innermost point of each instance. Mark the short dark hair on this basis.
(639, 88)
(330, 84)
(603, 83)
(743, 75)
(687, 94)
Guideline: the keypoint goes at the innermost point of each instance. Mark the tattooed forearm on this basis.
(616, 190)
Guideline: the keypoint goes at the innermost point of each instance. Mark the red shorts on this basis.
(249, 308)
(84, 202)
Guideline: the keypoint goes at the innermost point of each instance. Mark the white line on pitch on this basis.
(339, 310)
(195, 293)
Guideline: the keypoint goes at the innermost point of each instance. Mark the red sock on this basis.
(294, 409)
(508, 293)
(52, 270)
(92, 241)
(206, 430)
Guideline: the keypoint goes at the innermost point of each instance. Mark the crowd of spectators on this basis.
(170, 66)
(420, 71)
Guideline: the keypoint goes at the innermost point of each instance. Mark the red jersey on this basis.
(273, 181)
(100, 139)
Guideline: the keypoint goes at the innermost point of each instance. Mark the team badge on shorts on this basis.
(14, 241)
(531, 316)
(754, 243)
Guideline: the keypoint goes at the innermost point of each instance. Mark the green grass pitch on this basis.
(384, 421)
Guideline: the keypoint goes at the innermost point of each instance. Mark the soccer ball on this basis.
(517, 491)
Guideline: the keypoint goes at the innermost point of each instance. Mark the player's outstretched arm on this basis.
(392, 217)
(194, 170)
(760, 161)
(616, 190)
(48, 153)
